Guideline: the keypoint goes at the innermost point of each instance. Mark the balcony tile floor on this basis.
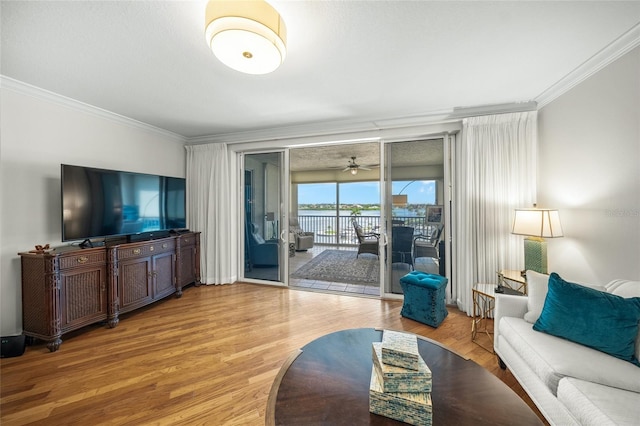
(303, 257)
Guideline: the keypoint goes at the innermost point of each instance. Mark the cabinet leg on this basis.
(178, 292)
(113, 322)
(54, 345)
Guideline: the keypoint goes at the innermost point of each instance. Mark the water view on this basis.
(317, 208)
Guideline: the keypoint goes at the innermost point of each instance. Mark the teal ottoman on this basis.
(424, 297)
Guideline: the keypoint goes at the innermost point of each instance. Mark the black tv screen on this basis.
(102, 203)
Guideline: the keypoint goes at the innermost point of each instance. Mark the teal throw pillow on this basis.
(602, 321)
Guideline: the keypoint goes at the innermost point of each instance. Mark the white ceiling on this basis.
(347, 61)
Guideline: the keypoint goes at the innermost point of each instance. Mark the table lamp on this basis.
(536, 224)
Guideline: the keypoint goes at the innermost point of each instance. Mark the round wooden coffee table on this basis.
(327, 383)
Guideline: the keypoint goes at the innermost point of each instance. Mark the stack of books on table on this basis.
(400, 380)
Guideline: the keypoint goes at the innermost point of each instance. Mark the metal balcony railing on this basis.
(338, 230)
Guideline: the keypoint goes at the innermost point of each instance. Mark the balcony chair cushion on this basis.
(304, 240)
(424, 297)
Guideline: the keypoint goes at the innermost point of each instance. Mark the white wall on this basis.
(589, 168)
(37, 135)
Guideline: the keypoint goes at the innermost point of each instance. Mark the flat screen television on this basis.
(98, 203)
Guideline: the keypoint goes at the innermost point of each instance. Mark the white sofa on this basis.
(570, 383)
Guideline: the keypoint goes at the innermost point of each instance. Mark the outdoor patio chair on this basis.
(303, 239)
(428, 246)
(402, 245)
(367, 243)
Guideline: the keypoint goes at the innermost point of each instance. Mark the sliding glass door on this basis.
(410, 219)
(414, 205)
(265, 218)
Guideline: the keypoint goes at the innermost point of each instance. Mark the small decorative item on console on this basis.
(40, 249)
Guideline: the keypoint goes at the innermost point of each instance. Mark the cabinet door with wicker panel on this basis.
(146, 272)
(62, 291)
(164, 277)
(188, 263)
(134, 283)
(83, 290)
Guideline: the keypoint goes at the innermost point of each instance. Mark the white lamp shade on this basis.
(541, 223)
(247, 36)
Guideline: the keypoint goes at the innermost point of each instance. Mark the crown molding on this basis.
(616, 49)
(325, 129)
(48, 96)
(476, 111)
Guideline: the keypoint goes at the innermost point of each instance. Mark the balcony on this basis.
(337, 233)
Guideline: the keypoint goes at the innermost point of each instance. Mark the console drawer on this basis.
(147, 249)
(83, 259)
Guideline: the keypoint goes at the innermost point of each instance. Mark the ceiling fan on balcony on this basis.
(353, 167)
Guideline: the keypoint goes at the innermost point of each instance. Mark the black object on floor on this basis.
(12, 346)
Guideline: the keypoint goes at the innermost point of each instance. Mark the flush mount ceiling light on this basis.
(248, 36)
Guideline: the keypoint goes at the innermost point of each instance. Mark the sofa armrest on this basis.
(507, 306)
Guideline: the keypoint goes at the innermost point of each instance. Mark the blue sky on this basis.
(418, 192)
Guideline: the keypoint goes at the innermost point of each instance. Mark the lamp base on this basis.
(535, 255)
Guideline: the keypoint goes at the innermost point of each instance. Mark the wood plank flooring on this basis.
(207, 358)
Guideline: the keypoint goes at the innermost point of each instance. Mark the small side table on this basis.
(512, 279)
(484, 302)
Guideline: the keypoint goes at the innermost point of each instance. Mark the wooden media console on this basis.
(70, 287)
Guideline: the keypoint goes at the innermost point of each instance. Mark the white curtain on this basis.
(212, 190)
(495, 173)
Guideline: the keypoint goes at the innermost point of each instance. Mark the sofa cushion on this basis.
(626, 288)
(537, 285)
(536, 292)
(595, 404)
(552, 358)
(597, 319)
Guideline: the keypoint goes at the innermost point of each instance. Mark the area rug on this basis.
(341, 266)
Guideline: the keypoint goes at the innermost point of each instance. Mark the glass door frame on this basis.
(283, 217)
(449, 233)
(386, 199)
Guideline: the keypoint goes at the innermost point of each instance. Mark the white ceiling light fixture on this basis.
(246, 35)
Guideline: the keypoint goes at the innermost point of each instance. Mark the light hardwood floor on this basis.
(208, 358)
